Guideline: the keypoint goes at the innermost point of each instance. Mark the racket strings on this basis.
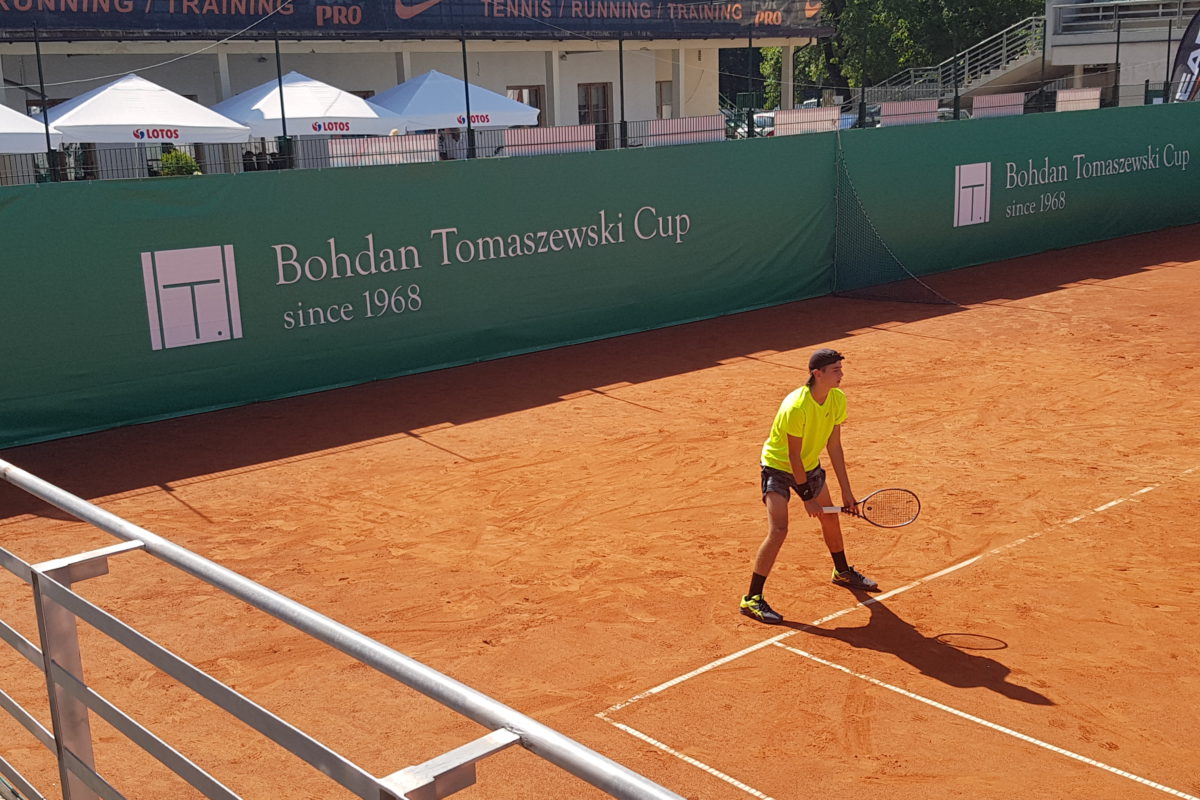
(891, 507)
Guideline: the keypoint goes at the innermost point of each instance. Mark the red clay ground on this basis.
(569, 529)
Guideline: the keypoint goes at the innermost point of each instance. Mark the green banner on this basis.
(130, 301)
(136, 300)
(945, 196)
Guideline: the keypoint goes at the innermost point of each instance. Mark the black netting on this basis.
(863, 265)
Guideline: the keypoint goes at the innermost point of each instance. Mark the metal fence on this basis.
(78, 162)
(1095, 91)
(874, 107)
(72, 701)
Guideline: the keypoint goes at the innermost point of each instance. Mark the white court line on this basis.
(665, 748)
(604, 715)
(779, 637)
(1009, 731)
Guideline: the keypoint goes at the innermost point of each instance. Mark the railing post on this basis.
(59, 634)
(58, 631)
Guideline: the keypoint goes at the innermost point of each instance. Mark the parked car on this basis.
(871, 118)
(945, 113)
(764, 125)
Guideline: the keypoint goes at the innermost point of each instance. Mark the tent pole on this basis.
(750, 104)
(1117, 66)
(1167, 81)
(284, 142)
(51, 165)
(467, 96)
(621, 67)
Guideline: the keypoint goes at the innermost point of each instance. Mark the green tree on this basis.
(875, 39)
(177, 162)
(772, 67)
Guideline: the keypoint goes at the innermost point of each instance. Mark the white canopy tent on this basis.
(436, 100)
(22, 134)
(132, 110)
(312, 108)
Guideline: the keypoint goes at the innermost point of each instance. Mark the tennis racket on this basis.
(885, 508)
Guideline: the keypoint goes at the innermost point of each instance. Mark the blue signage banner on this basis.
(398, 19)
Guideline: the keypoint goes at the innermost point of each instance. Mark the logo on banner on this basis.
(475, 119)
(405, 11)
(331, 127)
(972, 194)
(191, 296)
(155, 133)
(1186, 74)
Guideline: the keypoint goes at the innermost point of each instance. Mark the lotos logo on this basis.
(331, 127)
(156, 133)
(475, 119)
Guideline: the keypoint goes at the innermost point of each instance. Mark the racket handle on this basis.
(839, 509)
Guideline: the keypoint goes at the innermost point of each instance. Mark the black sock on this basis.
(839, 561)
(756, 584)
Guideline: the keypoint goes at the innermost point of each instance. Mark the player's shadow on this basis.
(886, 632)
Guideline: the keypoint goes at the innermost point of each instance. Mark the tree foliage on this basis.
(875, 39)
(177, 162)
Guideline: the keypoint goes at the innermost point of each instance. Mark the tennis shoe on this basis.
(756, 608)
(853, 579)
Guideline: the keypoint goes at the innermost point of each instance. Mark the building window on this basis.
(531, 96)
(662, 97)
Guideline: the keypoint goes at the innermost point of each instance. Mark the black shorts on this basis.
(777, 480)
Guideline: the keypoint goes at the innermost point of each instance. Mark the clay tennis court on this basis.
(570, 531)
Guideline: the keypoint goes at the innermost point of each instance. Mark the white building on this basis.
(563, 56)
(1124, 42)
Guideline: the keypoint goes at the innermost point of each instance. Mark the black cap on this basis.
(823, 358)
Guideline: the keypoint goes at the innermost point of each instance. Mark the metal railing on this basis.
(81, 162)
(995, 53)
(71, 699)
(1099, 17)
(861, 110)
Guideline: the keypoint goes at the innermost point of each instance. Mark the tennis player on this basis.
(808, 421)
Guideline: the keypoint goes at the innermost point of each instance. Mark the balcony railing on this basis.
(1072, 18)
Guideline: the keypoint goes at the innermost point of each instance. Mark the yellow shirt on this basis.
(802, 416)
